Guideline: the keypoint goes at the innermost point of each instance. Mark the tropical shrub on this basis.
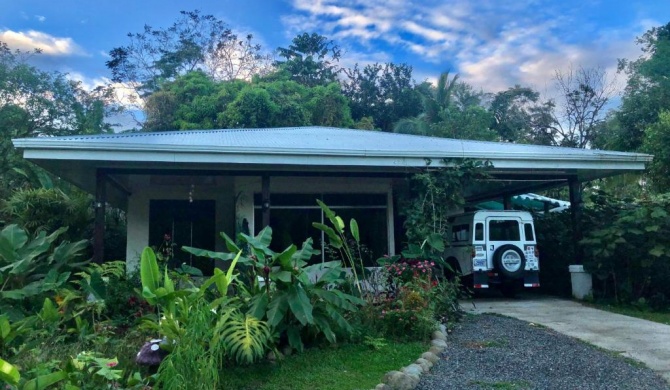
(230, 334)
(49, 209)
(416, 301)
(31, 268)
(302, 303)
(630, 252)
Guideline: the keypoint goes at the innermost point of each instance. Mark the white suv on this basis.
(496, 248)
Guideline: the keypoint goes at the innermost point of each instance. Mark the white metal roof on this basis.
(315, 146)
(315, 151)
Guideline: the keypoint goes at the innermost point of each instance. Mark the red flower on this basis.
(112, 364)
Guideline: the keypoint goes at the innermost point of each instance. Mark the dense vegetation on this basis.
(199, 74)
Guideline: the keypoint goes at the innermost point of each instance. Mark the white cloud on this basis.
(40, 18)
(50, 45)
(490, 44)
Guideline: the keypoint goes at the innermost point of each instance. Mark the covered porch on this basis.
(239, 180)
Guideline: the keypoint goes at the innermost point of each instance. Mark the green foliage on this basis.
(555, 240)
(384, 93)
(647, 90)
(435, 193)
(181, 311)
(310, 60)
(49, 209)
(630, 250)
(337, 238)
(9, 373)
(301, 303)
(35, 103)
(451, 109)
(196, 101)
(657, 142)
(519, 116)
(414, 302)
(32, 267)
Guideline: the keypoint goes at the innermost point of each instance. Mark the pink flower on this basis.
(112, 364)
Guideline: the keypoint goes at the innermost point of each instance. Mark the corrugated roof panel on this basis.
(311, 140)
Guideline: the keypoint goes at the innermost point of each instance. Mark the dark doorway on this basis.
(187, 224)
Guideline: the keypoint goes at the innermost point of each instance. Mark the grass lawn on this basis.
(331, 368)
(631, 311)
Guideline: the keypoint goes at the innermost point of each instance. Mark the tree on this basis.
(647, 89)
(584, 94)
(38, 103)
(451, 109)
(657, 142)
(518, 116)
(385, 92)
(252, 108)
(310, 59)
(193, 42)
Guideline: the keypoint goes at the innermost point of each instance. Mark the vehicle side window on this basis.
(479, 232)
(460, 233)
(504, 231)
(528, 230)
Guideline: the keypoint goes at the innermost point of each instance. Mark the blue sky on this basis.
(492, 44)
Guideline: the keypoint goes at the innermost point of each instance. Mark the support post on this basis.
(576, 214)
(265, 194)
(99, 228)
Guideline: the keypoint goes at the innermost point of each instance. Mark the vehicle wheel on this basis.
(510, 261)
(509, 290)
(452, 269)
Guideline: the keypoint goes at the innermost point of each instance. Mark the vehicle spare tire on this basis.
(510, 261)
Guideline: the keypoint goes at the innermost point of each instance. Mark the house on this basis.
(192, 184)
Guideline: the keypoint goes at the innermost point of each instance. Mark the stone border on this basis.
(408, 377)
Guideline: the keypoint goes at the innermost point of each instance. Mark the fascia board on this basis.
(504, 161)
(461, 151)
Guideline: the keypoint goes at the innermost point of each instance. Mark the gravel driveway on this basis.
(493, 352)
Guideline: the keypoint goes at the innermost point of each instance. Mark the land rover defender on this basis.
(496, 248)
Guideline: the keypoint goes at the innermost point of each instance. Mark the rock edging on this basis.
(407, 378)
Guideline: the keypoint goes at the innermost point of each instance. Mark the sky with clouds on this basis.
(492, 44)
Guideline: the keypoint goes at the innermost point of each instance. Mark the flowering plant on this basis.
(165, 251)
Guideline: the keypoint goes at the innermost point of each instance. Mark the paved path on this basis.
(645, 341)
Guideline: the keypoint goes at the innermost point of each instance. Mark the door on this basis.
(185, 223)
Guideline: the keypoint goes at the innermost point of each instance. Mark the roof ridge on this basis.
(133, 134)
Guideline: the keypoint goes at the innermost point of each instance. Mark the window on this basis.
(460, 233)
(505, 230)
(479, 232)
(292, 215)
(528, 230)
(187, 224)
